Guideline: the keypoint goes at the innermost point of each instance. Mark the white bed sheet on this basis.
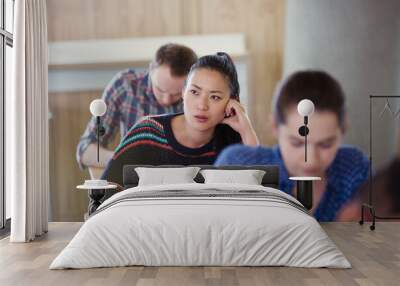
(191, 231)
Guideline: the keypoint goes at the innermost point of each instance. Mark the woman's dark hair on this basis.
(318, 86)
(178, 57)
(222, 63)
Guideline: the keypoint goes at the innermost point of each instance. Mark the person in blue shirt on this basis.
(343, 168)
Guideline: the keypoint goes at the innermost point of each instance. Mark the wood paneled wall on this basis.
(69, 118)
(262, 22)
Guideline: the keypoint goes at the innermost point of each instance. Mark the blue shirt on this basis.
(347, 172)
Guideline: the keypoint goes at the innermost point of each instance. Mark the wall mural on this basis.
(88, 48)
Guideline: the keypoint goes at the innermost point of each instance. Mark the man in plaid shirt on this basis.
(131, 95)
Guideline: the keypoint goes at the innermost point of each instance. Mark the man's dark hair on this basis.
(178, 57)
(222, 63)
(318, 86)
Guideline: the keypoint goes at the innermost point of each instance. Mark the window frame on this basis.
(6, 39)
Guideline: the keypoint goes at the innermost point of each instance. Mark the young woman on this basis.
(342, 168)
(212, 119)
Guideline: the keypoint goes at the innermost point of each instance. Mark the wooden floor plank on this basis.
(374, 255)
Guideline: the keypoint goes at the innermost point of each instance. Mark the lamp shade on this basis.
(305, 107)
(98, 107)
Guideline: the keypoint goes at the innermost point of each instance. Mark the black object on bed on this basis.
(270, 179)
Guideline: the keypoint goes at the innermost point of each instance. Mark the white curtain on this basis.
(27, 125)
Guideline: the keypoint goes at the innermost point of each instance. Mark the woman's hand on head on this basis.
(236, 117)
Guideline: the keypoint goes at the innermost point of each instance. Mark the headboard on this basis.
(270, 179)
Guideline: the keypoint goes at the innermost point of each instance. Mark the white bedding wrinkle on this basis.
(267, 229)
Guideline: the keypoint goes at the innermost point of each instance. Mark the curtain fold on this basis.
(27, 134)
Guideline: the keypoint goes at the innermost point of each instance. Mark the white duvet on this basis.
(207, 230)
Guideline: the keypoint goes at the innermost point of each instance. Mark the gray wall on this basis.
(358, 42)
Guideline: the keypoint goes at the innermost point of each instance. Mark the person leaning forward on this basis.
(131, 95)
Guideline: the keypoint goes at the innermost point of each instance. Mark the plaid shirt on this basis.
(129, 96)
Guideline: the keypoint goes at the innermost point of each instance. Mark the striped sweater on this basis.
(151, 142)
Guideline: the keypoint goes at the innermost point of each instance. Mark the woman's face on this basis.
(322, 142)
(205, 97)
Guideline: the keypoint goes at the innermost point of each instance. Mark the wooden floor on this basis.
(374, 255)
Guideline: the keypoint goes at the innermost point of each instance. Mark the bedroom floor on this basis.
(374, 255)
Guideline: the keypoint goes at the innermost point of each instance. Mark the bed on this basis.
(201, 224)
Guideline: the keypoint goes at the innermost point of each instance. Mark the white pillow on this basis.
(167, 175)
(248, 177)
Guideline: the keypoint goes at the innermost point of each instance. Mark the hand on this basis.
(119, 187)
(237, 119)
(350, 211)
